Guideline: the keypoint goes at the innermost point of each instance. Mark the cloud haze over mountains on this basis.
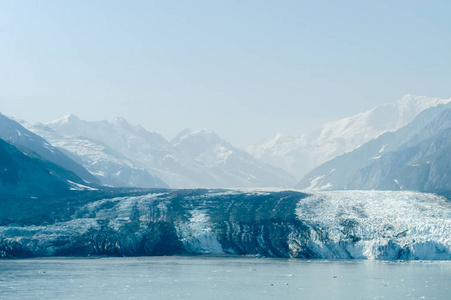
(118, 154)
(298, 155)
(121, 154)
(415, 157)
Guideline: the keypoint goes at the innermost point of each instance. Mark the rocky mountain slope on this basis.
(193, 159)
(25, 174)
(299, 155)
(109, 166)
(415, 157)
(14, 133)
(225, 164)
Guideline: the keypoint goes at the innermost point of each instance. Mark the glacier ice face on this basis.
(380, 224)
(197, 234)
(324, 225)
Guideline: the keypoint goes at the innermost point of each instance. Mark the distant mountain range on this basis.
(103, 161)
(415, 157)
(226, 165)
(121, 154)
(299, 155)
(400, 146)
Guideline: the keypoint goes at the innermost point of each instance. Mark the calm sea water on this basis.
(204, 277)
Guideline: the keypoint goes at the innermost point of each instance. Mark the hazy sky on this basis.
(244, 69)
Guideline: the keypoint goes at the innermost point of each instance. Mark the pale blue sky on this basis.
(244, 69)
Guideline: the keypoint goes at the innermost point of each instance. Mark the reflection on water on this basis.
(205, 277)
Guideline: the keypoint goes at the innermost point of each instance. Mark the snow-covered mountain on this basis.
(298, 155)
(112, 168)
(24, 173)
(292, 154)
(14, 133)
(415, 157)
(116, 152)
(192, 159)
(225, 164)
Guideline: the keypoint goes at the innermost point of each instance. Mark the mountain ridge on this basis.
(394, 160)
(25, 174)
(14, 133)
(298, 155)
(192, 159)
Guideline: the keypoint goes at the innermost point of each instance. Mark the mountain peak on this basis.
(120, 120)
(123, 123)
(414, 157)
(420, 103)
(205, 134)
(70, 118)
(202, 134)
(203, 131)
(180, 135)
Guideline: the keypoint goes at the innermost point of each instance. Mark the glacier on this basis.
(376, 225)
(379, 224)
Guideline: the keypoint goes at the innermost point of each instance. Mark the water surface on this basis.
(204, 277)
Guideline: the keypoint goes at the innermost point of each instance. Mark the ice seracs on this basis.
(383, 225)
(326, 225)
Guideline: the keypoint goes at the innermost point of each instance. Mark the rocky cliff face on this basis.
(328, 225)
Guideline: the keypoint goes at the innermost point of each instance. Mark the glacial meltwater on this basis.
(208, 277)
